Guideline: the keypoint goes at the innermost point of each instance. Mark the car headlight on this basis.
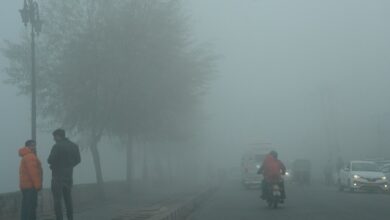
(356, 176)
(384, 178)
(258, 166)
(287, 174)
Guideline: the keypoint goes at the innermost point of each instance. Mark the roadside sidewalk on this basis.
(141, 204)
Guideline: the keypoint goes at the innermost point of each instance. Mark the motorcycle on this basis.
(274, 195)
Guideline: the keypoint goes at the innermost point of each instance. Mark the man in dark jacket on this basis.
(64, 156)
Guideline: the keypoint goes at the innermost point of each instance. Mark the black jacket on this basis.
(64, 156)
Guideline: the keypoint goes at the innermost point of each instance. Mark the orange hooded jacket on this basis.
(30, 170)
(272, 169)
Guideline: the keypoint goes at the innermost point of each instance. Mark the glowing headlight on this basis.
(384, 178)
(287, 173)
(356, 176)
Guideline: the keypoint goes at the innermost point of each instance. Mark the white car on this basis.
(386, 170)
(362, 175)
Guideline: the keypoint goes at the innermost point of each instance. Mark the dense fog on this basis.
(308, 77)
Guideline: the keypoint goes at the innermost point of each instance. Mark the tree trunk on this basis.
(129, 167)
(145, 168)
(97, 163)
(159, 169)
(169, 167)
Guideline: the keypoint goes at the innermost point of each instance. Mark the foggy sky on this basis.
(280, 59)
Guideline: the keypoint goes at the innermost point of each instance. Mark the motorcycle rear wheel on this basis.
(273, 204)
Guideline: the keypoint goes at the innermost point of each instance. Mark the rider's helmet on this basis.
(274, 154)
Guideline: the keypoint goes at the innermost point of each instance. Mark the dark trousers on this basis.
(62, 191)
(29, 204)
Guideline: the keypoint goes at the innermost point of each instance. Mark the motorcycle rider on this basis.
(272, 170)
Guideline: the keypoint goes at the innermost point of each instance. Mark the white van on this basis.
(250, 164)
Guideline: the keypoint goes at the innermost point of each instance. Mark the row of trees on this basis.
(127, 69)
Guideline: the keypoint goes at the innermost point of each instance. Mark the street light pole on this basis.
(33, 89)
(30, 15)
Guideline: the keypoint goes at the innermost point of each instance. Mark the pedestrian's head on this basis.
(59, 134)
(31, 144)
(274, 154)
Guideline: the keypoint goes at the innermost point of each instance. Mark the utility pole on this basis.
(30, 15)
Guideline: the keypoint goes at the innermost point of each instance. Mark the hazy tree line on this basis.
(124, 69)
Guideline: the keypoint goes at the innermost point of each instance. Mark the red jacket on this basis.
(272, 169)
(30, 170)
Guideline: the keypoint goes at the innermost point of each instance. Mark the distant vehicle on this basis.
(301, 172)
(250, 164)
(362, 175)
(386, 170)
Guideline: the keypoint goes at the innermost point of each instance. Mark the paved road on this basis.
(232, 202)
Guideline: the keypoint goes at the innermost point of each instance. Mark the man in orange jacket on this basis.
(30, 173)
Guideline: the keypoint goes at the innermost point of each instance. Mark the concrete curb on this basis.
(183, 210)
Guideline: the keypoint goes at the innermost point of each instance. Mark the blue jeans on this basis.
(29, 204)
